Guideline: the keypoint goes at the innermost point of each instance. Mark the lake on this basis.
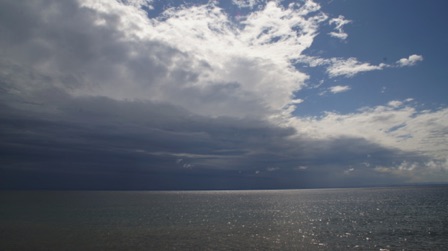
(401, 218)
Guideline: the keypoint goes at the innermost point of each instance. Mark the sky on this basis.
(237, 94)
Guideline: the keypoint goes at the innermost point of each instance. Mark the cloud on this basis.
(246, 3)
(341, 67)
(339, 88)
(418, 171)
(350, 67)
(272, 169)
(348, 171)
(139, 3)
(107, 140)
(96, 94)
(339, 23)
(193, 56)
(397, 125)
(410, 61)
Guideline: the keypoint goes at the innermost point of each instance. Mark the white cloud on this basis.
(395, 103)
(224, 68)
(339, 88)
(340, 35)
(296, 101)
(431, 170)
(246, 3)
(397, 125)
(191, 56)
(339, 23)
(350, 170)
(410, 61)
(139, 3)
(350, 67)
(336, 67)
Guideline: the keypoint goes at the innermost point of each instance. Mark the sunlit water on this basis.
(412, 218)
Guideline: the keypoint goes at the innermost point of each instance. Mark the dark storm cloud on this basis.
(98, 142)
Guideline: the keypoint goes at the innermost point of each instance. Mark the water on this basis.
(412, 218)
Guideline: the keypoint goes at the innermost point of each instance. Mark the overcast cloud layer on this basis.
(102, 94)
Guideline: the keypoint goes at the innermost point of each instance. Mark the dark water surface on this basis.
(411, 218)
